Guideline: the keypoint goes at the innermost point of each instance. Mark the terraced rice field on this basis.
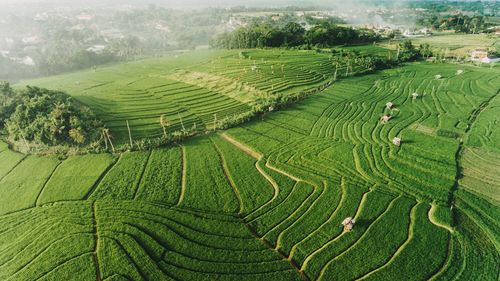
(457, 44)
(191, 90)
(265, 200)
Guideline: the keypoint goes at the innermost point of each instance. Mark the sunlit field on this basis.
(266, 200)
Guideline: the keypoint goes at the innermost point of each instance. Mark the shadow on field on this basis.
(363, 223)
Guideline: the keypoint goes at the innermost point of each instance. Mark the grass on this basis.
(123, 178)
(207, 187)
(162, 177)
(458, 44)
(71, 182)
(189, 92)
(265, 200)
(21, 187)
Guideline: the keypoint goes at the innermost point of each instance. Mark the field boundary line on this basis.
(337, 208)
(281, 254)
(471, 120)
(286, 174)
(126, 254)
(298, 220)
(15, 166)
(100, 178)
(228, 176)
(447, 263)
(389, 208)
(138, 185)
(430, 215)
(288, 218)
(46, 182)
(401, 247)
(184, 174)
(273, 183)
(273, 207)
(242, 146)
(330, 219)
(259, 157)
(96, 242)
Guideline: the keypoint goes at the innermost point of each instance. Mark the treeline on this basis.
(292, 35)
(458, 23)
(40, 117)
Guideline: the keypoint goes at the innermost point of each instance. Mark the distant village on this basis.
(99, 32)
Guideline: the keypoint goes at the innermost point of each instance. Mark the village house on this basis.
(97, 49)
(482, 55)
(478, 54)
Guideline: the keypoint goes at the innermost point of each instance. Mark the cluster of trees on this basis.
(458, 23)
(43, 117)
(292, 35)
(408, 52)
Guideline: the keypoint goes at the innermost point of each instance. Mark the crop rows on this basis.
(265, 201)
(228, 85)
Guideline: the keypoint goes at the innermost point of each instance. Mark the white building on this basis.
(98, 49)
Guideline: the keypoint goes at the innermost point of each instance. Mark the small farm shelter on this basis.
(414, 95)
(389, 105)
(385, 118)
(396, 141)
(348, 223)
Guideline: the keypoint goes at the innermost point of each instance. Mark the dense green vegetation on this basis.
(265, 200)
(458, 23)
(44, 117)
(293, 34)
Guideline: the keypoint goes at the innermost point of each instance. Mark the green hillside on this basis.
(195, 89)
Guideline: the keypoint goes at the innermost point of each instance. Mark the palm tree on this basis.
(164, 124)
(108, 136)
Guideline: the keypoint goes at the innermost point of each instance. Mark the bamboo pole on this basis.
(215, 121)
(162, 123)
(109, 139)
(182, 124)
(129, 135)
(105, 139)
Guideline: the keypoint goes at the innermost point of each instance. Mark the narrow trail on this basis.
(229, 178)
(461, 147)
(430, 215)
(96, 243)
(100, 178)
(184, 174)
(141, 178)
(242, 147)
(45, 184)
(411, 231)
(14, 167)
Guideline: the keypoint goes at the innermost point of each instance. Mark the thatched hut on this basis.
(384, 119)
(396, 141)
(348, 224)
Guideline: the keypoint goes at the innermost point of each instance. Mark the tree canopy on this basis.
(42, 116)
(292, 34)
